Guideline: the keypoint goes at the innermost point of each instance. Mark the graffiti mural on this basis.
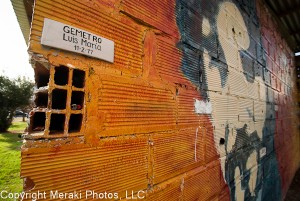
(223, 32)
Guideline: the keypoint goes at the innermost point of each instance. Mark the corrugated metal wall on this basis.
(140, 129)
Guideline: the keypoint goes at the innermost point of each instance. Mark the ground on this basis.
(10, 143)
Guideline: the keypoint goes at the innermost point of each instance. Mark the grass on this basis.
(17, 126)
(10, 156)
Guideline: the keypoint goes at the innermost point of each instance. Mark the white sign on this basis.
(66, 37)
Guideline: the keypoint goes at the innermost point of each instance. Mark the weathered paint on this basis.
(247, 122)
(196, 106)
(203, 107)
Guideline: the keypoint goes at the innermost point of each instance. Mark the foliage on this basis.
(13, 94)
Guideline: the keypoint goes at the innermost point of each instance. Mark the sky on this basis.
(14, 59)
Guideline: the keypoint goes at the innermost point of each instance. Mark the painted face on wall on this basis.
(236, 96)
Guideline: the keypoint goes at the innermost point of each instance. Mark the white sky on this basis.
(14, 60)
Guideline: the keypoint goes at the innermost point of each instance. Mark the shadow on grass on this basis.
(18, 126)
(13, 140)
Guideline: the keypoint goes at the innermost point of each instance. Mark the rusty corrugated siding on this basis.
(135, 107)
(115, 165)
(140, 127)
(159, 14)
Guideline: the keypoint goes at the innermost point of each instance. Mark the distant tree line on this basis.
(14, 94)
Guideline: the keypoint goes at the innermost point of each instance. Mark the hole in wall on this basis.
(41, 99)
(222, 141)
(59, 98)
(42, 75)
(28, 184)
(78, 78)
(75, 122)
(61, 75)
(38, 121)
(77, 98)
(57, 123)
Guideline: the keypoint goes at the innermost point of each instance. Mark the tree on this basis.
(13, 94)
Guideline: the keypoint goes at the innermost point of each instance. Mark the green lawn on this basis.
(18, 126)
(10, 155)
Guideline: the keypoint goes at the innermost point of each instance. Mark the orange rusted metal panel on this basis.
(113, 166)
(189, 106)
(159, 14)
